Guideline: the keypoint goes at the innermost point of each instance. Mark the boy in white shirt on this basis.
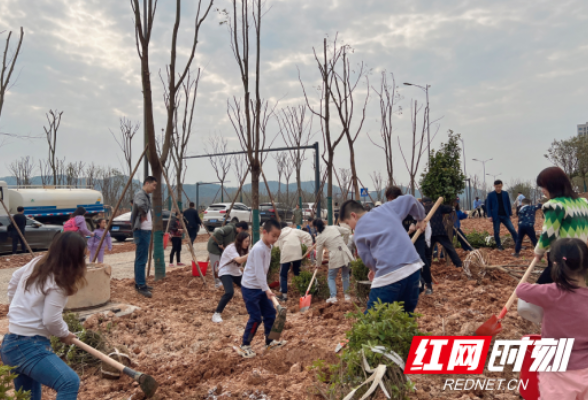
(256, 292)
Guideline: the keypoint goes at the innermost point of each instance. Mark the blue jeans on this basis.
(141, 238)
(344, 277)
(406, 290)
(260, 309)
(37, 365)
(504, 220)
(284, 269)
(525, 230)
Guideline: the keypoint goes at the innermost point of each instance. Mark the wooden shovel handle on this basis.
(275, 301)
(513, 296)
(311, 280)
(308, 251)
(428, 218)
(99, 355)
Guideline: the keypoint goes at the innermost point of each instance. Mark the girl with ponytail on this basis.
(565, 315)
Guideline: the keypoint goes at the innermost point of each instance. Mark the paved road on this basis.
(122, 266)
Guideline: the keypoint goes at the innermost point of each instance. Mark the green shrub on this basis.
(6, 376)
(301, 282)
(359, 271)
(476, 239)
(384, 325)
(275, 262)
(75, 357)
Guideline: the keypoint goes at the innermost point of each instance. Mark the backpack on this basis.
(70, 226)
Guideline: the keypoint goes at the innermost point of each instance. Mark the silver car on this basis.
(39, 236)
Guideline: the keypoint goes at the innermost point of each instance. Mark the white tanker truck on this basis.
(51, 205)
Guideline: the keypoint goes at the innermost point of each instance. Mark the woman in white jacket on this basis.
(334, 239)
(290, 244)
(38, 293)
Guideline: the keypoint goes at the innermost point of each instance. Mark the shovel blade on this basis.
(305, 303)
(492, 327)
(279, 323)
(146, 382)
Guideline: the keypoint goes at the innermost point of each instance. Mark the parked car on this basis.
(309, 209)
(121, 226)
(267, 211)
(215, 215)
(39, 236)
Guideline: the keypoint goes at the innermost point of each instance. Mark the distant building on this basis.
(583, 129)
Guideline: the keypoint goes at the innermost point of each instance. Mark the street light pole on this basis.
(428, 113)
(494, 176)
(484, 165)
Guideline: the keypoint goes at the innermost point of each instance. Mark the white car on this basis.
(309, 209)
(215, 215)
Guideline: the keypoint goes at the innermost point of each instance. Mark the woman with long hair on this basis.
(335, 239)
(566, 215)
(229, 270)
(38, 293)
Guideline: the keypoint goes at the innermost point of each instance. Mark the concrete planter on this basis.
(96, 293)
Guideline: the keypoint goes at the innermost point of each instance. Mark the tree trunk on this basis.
(330, 188)
(299, 187)
(353, 172)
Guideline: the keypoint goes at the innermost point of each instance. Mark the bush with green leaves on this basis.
(75, 357)
(6, 376)
(275, 262)
(359, 271)
(302, 281)
(384, 325)
(477, 239)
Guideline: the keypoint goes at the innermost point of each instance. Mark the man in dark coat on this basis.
(439, 234)
(499, 212)
(21, 223)
(194, 221)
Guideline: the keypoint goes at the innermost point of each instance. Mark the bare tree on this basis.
(416, 147)
(183, 128)
(127, 131)
(323, 112)
(344, 181)
(22, 170)
(45, 171)
(296, 130)
(8, 63)
(92, 176)
(143, 30)
(378, 182)
(342, 95)
(60, 168)
(54, 120)
(221, 164)
(387, 96)
(73, 173)
(250, 116)
(289, 168)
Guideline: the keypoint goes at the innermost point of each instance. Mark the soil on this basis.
(173, 339)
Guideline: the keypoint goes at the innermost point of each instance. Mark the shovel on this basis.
(428, 218)
(280, 321)
(306, 300)
(146, 382)
(493, 326)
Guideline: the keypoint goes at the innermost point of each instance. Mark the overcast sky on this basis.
(510, 76)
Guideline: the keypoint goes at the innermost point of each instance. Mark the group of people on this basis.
(38, 291)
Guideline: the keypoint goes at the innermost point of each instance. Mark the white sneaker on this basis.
(217, 318)
(218, 283)
(332, 300)
(348, 298)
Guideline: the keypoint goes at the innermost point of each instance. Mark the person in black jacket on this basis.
(191, 215)
(409, 223)
(21, 223)
(440, 232)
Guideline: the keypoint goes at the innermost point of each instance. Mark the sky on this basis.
(509, 76)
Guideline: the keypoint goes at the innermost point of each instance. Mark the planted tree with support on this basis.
(387, 97)
(54, 120)
(323, 112)
(143, 20)
(296, 130)
(342, 94)
(8, 63)
(281, 161)
(250, 115)
(221, 164)
(378, 182)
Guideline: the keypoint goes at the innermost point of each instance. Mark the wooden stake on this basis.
(17, 228)
(118, 203)
(191, 247)
(150, 256)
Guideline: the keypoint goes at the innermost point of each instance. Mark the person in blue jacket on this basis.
(499, 212)
(457, 231)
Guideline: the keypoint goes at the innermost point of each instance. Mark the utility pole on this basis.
(484, 165)
(427, 114)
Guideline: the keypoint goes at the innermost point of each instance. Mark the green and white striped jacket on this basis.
(564, 218)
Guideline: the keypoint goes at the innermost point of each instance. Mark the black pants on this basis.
(545, 277)
(15, 240)
(421, 248)
(227, 281)
(176, 249)
(284, 269)
(464, 244)
(528, 231)
(444, 241)
(193, 232)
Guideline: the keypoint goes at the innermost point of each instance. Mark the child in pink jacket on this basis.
(94, 241)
